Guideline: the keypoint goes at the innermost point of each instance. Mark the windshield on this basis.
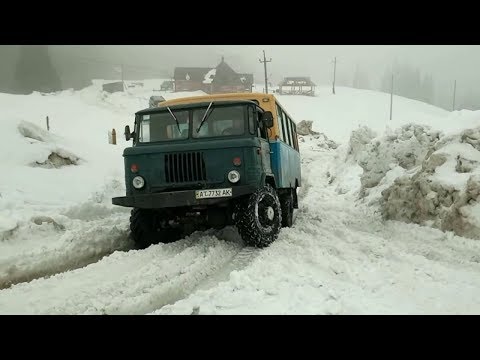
(220, 121)
(163, 126)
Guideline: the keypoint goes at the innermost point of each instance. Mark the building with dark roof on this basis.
(297, 86)
(220, 79)
(114, 87)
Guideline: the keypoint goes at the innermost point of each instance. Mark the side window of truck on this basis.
(254, 125)
(262, 131)
(252, 120)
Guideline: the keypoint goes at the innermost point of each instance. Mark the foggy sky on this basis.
(445, 63)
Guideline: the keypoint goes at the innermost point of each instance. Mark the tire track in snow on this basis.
(238, 262)
(83, 244)
(133, 282)
(52, 239)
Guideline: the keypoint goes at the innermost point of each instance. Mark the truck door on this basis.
(265, 146)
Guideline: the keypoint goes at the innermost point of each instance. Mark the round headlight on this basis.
(138, 182)
(234, 176)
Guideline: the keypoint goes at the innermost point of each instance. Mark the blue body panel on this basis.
(285, 164)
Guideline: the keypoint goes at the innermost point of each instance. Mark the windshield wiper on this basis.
(205, 117)
(178, 125)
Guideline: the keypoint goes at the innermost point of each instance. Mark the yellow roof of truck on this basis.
(219, 97)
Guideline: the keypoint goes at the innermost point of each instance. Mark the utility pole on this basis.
(391, 99)
(265, 69)
(334, 73)
(454, 91)
(121, 72)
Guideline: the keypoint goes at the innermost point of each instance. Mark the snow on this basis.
(390, 176)
(332, 116)
(78, 130)
(209, 76)
(473, 213)
(6, 225)
(64, 248)
(124, 283)
(446, 174)
(419, 175)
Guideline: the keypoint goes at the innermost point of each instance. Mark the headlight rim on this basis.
(138, 187)
(237, 179)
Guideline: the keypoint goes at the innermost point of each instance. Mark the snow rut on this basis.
(238, 262)
(83, 244)
(133, 282)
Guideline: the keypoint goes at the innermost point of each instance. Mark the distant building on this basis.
(113, 87)
(167, 85)
(297, 86)
(221, 79)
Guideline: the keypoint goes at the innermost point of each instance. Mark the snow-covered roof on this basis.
(190, 73)
(223, 74)
(297, 81)
(209, 76)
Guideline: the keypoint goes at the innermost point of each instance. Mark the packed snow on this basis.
(442, 191)
(355, 248)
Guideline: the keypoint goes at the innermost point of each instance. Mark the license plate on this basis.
(214, 193)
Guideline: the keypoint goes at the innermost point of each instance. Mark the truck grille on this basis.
(185, 167)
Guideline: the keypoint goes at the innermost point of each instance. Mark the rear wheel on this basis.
(286, 202)
(152, 227)
(258, 219)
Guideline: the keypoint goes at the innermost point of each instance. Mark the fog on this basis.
(77, 65)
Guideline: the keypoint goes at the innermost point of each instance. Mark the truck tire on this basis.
(258, 218)
(146, 229)
(286, 202)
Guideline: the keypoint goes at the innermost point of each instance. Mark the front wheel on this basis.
(151, 227)
(259, 218)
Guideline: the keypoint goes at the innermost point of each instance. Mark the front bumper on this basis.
(177, 198)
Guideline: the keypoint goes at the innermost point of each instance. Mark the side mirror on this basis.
(267, 119)
(128, 134)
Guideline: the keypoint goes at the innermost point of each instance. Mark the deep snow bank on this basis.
(420, 175)
(445, 191)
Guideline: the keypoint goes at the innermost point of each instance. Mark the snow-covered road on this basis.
(80, 244)
(133, 282)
